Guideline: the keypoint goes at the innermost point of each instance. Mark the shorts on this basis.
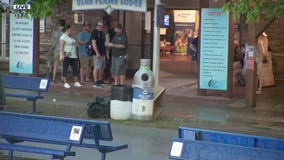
(84, 62)
(118, 65)
(56, 59)
(99, 63)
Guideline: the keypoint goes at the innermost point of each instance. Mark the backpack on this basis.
(99, 108)
(89, 48)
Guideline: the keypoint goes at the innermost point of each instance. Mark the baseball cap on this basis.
(100, 23)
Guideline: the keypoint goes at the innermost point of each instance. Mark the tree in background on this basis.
(39, 8)
(254, 10)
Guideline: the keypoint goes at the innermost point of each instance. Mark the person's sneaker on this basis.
(77, 84)
(98, 85)
(66, 85)
(259, 92)
(103, 83)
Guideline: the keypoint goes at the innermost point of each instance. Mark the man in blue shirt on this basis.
(82, 39)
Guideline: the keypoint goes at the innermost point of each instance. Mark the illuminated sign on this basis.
(214, 47)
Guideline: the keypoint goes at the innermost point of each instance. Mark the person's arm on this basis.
(94, 37)
(120, 46)
(95, 47)
(62, 45)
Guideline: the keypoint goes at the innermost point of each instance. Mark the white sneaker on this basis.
(77, 84)
(66, 85)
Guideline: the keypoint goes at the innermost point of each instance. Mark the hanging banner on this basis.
(21, 45)
(214, 49)
(184, 16)
(184, 29)
(109, 5)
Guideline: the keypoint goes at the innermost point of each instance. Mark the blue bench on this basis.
(203, 144)
(15, 128)
(95, 133)
(29, 88)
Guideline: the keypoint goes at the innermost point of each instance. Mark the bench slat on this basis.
(35, 128)
(202, 150)
(24, 83)
(33, 97)
(38, 150)
(231, 138)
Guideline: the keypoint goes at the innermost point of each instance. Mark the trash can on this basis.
(143, 92)
(121, 102)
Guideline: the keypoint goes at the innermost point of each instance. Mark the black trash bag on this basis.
(99, 108)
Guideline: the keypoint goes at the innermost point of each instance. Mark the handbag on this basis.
(89, 48)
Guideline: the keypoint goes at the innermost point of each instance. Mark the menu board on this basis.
(214, 44)
(21, 45)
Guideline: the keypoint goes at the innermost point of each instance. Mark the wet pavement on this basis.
(150, 140)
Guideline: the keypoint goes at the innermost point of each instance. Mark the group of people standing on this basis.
(109, 52)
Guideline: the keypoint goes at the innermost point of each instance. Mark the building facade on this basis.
(140, 40)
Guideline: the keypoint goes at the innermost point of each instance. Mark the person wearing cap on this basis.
(111, 33)
(119, 52)
(82, 39)
(98, 43)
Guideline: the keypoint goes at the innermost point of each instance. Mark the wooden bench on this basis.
(15, 128)
(29, 88)
(202, 144)
(95, 132)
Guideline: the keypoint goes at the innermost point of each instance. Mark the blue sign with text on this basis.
(21, 45)
(214, 46)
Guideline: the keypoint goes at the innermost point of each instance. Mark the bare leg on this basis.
(100, 74)
(122, 79)
(116, 79)
(75, 79)
(87, 74)
(54, 73)
(95, 74)
(64, 79)
(82, 74)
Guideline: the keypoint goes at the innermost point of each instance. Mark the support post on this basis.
(202, 4)
(250, 95)
(36, 40)
(156, 48)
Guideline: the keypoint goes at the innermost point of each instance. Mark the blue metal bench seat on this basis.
(30, 88)
(38, 130)
(201, 144)
(96, 134)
